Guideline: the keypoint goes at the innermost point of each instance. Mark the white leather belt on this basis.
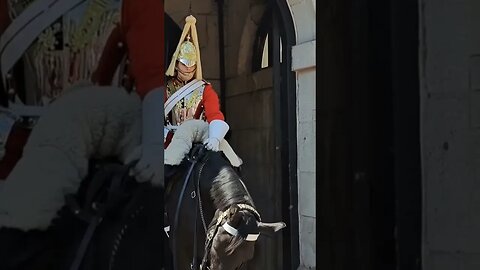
(20, 34)
(181, 93)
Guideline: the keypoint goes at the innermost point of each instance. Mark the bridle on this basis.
(193, 158)
(197, 154)
(223, 218)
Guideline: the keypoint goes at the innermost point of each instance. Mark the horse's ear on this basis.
(270, 228)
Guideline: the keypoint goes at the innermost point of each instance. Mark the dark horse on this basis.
(129, 234)
(206, 188)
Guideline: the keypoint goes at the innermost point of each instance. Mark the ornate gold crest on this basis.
(187, 54)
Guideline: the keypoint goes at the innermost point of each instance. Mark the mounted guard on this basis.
(192, 115)
(188, 95)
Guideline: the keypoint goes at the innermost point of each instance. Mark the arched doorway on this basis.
(261, 107)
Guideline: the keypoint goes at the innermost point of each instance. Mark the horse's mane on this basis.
(227, 189)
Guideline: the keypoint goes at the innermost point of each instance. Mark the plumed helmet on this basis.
(188, 50)
(188, 53)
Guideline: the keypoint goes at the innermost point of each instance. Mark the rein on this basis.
(95, 208)
(198, 205)
(195, 156)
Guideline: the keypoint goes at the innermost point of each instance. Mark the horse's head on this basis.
(234, 236)
(235, 223)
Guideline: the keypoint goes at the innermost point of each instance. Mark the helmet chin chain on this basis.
(189, 75)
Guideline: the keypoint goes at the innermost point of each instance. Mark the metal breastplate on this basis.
(187, 107)
(69, 50)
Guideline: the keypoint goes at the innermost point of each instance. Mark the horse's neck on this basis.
(206, 172)
(206, 169)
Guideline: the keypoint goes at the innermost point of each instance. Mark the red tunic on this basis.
(211, 104)
(193, 104)
(18, 135)
(142, 33)
(112, 55)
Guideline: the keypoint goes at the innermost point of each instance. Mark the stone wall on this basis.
(303, 63)
(450, 133)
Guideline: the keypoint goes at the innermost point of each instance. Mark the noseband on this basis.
(223, 218)
(234, 232)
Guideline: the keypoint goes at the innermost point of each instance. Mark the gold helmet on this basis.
(188, 50)
(188, 53)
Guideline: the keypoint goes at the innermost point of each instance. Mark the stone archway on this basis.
(265, 133)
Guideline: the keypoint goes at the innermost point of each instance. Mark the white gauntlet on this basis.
(150, 165)
(216, 132)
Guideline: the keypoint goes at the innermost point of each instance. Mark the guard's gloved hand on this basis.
(212, 144)
(150, 165)
(216, 132)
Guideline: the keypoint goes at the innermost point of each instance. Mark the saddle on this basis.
(171, 170)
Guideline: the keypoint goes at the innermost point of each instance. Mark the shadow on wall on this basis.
(172, 35)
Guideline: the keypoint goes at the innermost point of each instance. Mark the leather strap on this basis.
(94, 214)
(95, 220)
(181, 93)
(252, 237)
(20, 34)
